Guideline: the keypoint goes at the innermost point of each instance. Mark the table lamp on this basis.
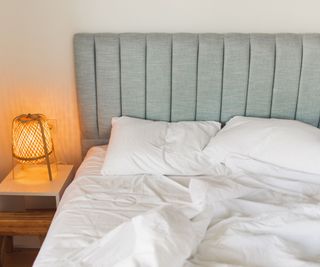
(32, 141)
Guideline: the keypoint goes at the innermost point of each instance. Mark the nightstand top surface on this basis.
(35, 183)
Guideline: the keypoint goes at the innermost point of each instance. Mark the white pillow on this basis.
(142, 146)
(285, 143)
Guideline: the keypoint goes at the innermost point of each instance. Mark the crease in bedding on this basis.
(229, 219)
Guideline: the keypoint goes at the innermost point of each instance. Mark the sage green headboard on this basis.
(186, 76)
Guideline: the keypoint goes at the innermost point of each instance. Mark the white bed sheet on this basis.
(256, 220)
(94, 204)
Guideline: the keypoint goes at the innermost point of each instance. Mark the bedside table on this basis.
(30, 222)
(35, 184)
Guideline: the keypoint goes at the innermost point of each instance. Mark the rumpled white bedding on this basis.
(229, 219)
(161, 237)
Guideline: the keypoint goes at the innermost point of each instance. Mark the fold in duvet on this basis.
(228, 220)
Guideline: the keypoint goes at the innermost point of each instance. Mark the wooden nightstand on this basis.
(30, 222)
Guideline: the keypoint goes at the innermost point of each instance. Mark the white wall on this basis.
(36, 61)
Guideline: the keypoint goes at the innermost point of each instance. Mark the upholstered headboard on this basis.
(187, 76)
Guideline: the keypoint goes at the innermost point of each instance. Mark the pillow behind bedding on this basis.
(285, 143)
(139, 146)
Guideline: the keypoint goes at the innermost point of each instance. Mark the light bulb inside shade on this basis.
(31, 138)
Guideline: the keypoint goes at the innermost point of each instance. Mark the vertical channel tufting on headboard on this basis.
(158, 76)
(287, 75)
(188, 76)
(308, 104)
(235, 75)
(210, 76)
(261, 75)
(184, 76)
(108, 80)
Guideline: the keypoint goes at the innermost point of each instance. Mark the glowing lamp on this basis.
(31, 140)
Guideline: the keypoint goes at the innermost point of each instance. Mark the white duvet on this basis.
(230, 219)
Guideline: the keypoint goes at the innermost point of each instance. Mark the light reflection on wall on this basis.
(57, 103)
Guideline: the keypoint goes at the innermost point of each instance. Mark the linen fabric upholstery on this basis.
(189, 76)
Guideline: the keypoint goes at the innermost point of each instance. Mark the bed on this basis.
(254, 220)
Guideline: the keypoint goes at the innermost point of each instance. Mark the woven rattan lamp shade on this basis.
(31, 138)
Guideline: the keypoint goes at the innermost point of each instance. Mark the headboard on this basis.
(188, 76)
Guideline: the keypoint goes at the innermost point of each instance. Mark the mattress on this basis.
(254, 220)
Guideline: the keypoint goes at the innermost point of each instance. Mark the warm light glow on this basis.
(32, 174)
(31, 138)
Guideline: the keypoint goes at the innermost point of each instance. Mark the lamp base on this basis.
(34, 173)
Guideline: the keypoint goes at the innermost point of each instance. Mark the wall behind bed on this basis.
(36, 53)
